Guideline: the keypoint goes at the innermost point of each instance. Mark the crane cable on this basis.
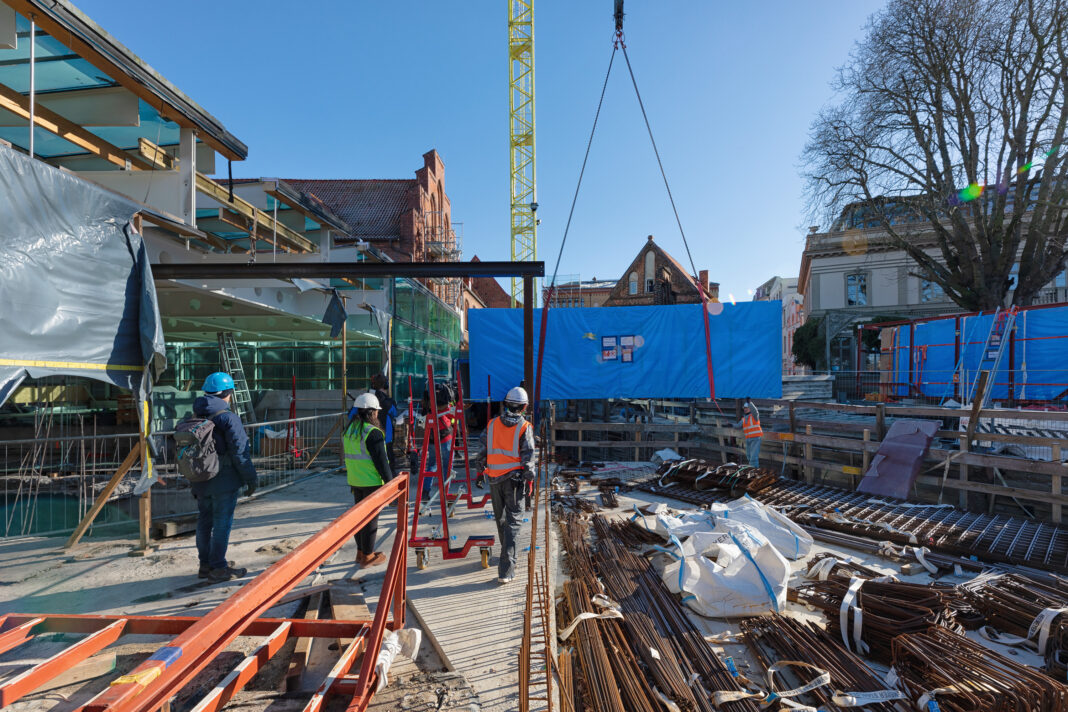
(616, 45)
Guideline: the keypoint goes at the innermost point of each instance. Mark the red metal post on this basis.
(153, 682)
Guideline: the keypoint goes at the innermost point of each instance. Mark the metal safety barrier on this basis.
(199, 641)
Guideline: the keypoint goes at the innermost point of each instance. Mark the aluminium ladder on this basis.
(997, 340)
(230, 361)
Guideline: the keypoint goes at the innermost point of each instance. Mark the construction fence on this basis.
(49, 482)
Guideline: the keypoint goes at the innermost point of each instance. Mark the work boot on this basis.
(204, 569)
(367, 560)
(225, 574)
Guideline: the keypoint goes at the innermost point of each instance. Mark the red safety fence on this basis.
(198, 641)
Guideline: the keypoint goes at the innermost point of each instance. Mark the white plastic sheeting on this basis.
(730, 561)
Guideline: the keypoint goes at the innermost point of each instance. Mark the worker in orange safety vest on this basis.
(507, 457)
(750, 425)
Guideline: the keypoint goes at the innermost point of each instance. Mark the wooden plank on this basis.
(347, 603)
(102, 498)
(156, 155)
(69, 131)
(629, 427)
(618, 443)
(301, 653)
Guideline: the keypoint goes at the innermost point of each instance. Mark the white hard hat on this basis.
(516, 395)
(367, 400)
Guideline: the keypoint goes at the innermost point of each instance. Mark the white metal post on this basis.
(33, 78)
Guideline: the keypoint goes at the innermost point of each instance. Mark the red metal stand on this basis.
(155, 681)
(443, 474)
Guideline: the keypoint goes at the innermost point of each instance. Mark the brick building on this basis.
(408, 219)
(655, 277)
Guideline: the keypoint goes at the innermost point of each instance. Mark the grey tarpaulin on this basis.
(76, 285)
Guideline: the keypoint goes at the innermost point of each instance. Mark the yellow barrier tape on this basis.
(850, 470)
(68, 364)
(142, 678)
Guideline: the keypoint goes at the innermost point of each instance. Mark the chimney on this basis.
(702, 277)
(713, 291)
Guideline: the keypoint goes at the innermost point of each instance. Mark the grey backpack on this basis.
(198, 461)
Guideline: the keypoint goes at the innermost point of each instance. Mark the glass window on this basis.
(633, 287)
(856, 290)
(650, 267)
(930, 291)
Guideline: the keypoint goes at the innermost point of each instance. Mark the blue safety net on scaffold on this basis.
(1036, 367)
(633, 352)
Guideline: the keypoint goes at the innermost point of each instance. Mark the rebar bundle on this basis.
(575, 504)
(1021, 606)
(608, 496)
(653, 654)
(962, 676)
(775, 638)
(875, 612)
(702, 475)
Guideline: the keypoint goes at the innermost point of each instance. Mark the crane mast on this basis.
(524, 224)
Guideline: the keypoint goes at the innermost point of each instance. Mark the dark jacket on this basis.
(231, 442)
(387, 415)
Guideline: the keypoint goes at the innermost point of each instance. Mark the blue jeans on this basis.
(214, 521)
(752, 451)
(432, 462)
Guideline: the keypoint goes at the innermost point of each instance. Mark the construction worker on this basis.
(367, 468)
(750, 425)
(217, 497)
(506, 449)
(387, 413)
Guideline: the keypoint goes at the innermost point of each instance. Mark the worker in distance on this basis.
(506, 458)
(750, 425)
(366, 468)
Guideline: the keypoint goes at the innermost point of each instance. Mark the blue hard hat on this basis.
(218, 382)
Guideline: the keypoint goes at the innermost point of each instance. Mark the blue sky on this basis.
(360, 89)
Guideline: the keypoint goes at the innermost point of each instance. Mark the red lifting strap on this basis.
(708, 341)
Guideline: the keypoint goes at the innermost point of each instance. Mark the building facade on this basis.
(784, 289)
(655, 277)
(575, 292)
(854, 272)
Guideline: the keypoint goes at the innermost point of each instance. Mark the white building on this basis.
(784, 289)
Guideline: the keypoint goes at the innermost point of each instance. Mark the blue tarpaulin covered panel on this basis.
(633, 352)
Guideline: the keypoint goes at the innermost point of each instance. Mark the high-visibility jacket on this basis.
(359, 467)
(502, 447)
(751, 427)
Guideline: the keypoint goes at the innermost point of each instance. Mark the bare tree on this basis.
(949, 135)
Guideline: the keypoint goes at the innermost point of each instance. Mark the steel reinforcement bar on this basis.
(941, 528)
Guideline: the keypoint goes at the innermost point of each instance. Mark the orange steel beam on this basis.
(245, 671)
(152, 683)
(44, 671)
(173, 625)
(18, 635)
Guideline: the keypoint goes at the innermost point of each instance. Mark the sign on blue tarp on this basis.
(633, 352)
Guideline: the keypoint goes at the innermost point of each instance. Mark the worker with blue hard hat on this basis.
(217, 497)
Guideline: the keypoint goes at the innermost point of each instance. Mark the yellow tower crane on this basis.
(521, 140)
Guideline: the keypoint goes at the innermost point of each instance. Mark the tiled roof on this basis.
(373, 207)
(490, 291)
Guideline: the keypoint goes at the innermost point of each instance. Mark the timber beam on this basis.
(69, 131)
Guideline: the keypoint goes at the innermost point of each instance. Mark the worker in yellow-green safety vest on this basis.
(367, 467)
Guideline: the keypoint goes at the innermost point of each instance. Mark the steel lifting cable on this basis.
(567, 229)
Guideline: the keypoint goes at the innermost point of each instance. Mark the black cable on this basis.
(552, 284)
(661, 164)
